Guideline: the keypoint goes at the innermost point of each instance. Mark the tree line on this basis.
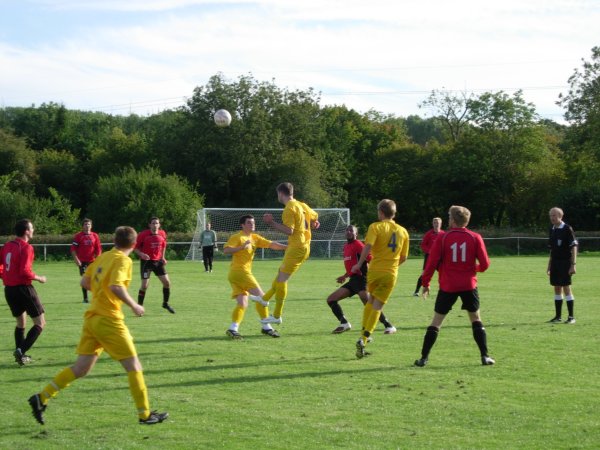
(490, 152)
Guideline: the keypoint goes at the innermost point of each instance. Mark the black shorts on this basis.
(445, 301)
(356, 284)
(148, 266)
(83, 266)
(208, 252)
(23, 298)
(559, 272)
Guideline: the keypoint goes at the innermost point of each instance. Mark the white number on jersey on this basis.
(463, 252)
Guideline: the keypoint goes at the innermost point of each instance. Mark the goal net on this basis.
(327, 241)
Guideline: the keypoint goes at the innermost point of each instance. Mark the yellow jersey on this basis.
(389, 242)
(112, 268)
(310, 215)
(242, 260)
(293, 217)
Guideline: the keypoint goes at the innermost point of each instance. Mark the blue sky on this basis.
(144, 56)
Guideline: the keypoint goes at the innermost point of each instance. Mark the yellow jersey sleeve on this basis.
(242, 260)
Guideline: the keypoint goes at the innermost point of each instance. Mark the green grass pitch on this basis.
(307, 389)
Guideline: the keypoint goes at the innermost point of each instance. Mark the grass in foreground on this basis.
(306, 389)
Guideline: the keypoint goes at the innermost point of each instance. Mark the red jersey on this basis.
(352, 251)
(457, 255)
(152, 244)
(86, 246)
(428, 239)
(17, 258)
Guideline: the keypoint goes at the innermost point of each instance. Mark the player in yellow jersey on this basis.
(295, 226)
(388, 244)
(311, 221)
(242, 246)
(104, 328)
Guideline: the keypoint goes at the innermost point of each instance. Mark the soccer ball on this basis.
(222, 118)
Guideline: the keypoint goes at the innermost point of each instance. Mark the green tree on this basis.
(18, 159)
(133, 196)
(451, 111)
(62, 171)
(51, 215)
(580, 194)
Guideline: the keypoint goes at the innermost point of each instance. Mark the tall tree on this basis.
(580, 195)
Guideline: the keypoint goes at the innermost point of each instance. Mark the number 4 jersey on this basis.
(457, 255)
(389, 242)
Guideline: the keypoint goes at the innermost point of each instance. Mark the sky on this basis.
(145, 56)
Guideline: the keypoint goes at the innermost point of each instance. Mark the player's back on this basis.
(110, 268)
(461, 253)
(389, 243)
(293, 217)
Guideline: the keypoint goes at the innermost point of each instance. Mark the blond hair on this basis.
(387, 208)
(460, 215)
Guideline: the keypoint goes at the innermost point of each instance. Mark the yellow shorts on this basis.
(293, 259)
(106, 333)
(241, 283)
(380, 285)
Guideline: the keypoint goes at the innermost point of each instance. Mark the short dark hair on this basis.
(125, 237)
(86, 220)
(153, 218)
(21, 227)
(286, 188)
(246, 217)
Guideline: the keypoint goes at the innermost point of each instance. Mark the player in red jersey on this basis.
(16, 258)
(150, 247)
(84, 249)
(457, 255)
(357, 283)
(426, 244)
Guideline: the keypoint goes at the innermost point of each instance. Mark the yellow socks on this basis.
(280, 296)
(372, 321)
(263, 311)
(238, 314)
(59, 382)
(271, 291)
(137, 387)
(366, 313)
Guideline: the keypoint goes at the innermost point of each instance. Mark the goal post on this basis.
(327, 241)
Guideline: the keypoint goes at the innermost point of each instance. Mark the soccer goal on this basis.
(327, 241)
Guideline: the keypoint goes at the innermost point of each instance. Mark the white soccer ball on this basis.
(222, 118)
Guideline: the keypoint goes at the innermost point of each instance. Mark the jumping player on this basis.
(294, 226)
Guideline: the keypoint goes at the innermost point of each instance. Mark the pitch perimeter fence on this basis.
(497, 246)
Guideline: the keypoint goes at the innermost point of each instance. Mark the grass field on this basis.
(307, 389)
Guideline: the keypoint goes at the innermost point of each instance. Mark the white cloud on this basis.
(378, 55)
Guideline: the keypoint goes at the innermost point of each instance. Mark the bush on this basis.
(134, 196)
